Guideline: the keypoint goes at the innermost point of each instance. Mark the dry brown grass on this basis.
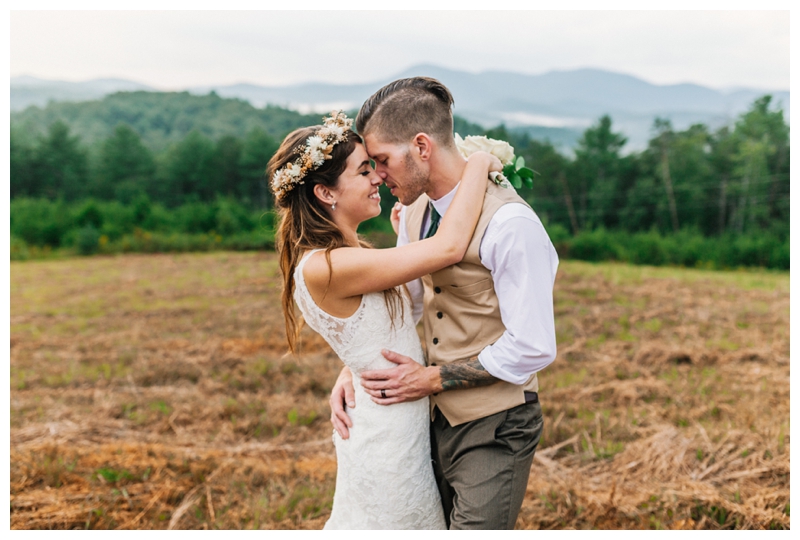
(150, 392)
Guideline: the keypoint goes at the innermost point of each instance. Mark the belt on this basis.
(531, 397)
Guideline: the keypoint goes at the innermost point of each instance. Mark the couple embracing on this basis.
(442, 443)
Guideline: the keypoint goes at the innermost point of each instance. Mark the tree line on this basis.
(122, 168)
(734, 179)
(723, 183)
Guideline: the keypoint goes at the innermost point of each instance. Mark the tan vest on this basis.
(462, 317)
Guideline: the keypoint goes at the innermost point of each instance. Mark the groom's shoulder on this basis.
(414, 213)
(422, 201)
(417, 208)
(503, 195)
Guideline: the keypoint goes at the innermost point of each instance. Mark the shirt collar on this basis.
(443, 203)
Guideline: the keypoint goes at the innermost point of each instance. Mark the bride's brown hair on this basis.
(304, 224)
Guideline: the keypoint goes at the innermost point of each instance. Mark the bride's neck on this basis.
(350, 233)
(351, 239)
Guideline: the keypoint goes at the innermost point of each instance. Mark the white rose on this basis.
(317, 157)
(474, 143)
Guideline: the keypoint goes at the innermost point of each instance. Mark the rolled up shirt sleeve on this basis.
(523, 262)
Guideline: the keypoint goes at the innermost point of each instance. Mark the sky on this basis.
(173, 50)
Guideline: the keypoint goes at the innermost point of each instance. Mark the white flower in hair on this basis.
(316, 150)
(317, 157)
(314, 142)
(277, 180)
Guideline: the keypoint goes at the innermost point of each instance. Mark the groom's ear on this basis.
(424, 145)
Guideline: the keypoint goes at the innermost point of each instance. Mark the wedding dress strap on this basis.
(305, 257)
(305, 294)
(337, 331)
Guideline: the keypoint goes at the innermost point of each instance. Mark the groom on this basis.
(489, 325)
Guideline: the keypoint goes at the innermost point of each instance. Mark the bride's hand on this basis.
(342, 392)
(395, 217)
(491, 161)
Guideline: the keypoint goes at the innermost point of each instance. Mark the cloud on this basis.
(175, 50)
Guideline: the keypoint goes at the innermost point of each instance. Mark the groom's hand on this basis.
(341, 394)
(408, 381)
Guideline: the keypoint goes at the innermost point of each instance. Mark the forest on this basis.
(145, 171)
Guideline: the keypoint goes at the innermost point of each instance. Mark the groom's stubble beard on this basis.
(417, 181)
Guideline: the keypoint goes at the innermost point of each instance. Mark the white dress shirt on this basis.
(523, 262)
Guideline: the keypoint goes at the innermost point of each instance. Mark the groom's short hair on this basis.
(405, 107)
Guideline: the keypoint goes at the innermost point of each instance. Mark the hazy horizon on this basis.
(399, 70)
(171, 50)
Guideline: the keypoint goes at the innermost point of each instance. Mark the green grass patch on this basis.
(568, 378)
(619, 273)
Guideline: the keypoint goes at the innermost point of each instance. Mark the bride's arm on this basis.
(358, 271)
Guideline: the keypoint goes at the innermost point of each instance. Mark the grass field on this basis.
(153, 392)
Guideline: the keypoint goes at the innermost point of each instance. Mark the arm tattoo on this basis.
(467, 373)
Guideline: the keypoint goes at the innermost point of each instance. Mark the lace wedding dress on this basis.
(385, 477)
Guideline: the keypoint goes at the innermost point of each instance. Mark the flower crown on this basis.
(313, 153)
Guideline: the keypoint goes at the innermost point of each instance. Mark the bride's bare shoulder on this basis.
(317, 270)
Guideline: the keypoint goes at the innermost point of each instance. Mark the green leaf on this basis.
(525, 172)
(528, 182)
(515, 180)
(520, 162)
(508, 170)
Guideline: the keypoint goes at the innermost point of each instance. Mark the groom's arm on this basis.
(410, 381)
(467, 373)
(523, 263)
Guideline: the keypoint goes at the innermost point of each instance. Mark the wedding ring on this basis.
(383, 394)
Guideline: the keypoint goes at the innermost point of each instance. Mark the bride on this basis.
(353, 296)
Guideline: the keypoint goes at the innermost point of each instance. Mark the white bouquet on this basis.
(514, 170)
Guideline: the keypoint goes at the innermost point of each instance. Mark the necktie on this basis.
(435, 217)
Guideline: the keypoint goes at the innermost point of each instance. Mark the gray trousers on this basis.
(482, 467)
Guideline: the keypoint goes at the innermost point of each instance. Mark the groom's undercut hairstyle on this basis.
(405, 107)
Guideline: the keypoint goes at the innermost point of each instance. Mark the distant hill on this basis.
(27, 91)
(557, 105)
(561, 104)
(161, 118)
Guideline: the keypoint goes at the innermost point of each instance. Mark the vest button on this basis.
(439, 315)
(437, 290)
(436, 341)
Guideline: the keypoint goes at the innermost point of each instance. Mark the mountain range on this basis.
(558, 104)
